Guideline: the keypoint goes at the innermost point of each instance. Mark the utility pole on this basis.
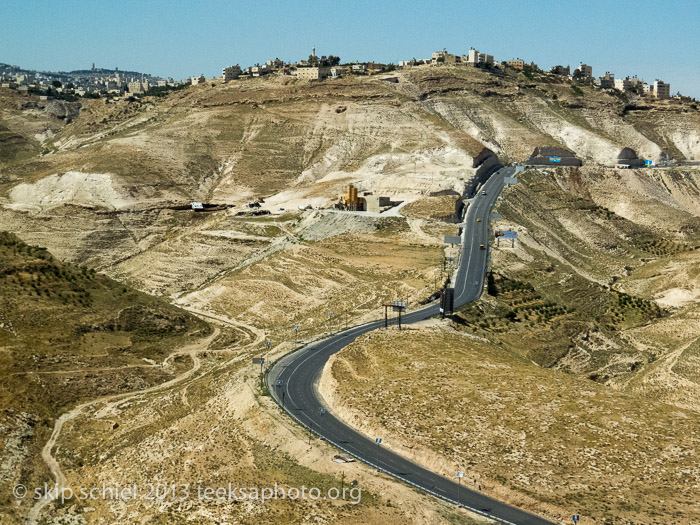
(460, 475)
(330, 319)
(378, 442)
(346, 319)
(311, 431)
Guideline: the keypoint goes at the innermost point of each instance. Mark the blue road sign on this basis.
(554, 159)
(648, 162)
(268, 344)
(378, 441)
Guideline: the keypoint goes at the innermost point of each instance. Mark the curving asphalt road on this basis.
(292, 380)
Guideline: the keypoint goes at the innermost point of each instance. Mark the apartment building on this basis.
(138, 86)
(516, 64)
(661, 89)
(561, 70)
(231, 73)
(607, 81)
(586, 71)
(312, 73)
(258, 71)
(478, 59)
(623, 84)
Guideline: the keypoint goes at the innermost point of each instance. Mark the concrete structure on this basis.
(274, 64)
(561, 70)
(478, 59)
(586, 71)
(661, 89)
(623, 84)
(358, 68)
(231, 73)
(450, 59)
(443, 57)
(553, 156)
(376, 204)
(634, 81)
(607, 81)
(312, 73)
(137, 87)
(258, 71)
(198, 80)
(628, 158)
(375, 67)
(518, 64)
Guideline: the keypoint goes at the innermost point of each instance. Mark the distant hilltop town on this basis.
(98, 82)
(91, 83)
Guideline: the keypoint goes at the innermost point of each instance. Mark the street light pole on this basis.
(459, 487)
(378, 442)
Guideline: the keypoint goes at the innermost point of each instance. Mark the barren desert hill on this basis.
(67, 335)
(600, 280)
(263, 135)
(117, 168)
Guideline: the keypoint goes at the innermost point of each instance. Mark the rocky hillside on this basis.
(68, 334)
(120, 169)
(601, 285)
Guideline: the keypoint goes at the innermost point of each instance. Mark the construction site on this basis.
(350, 201)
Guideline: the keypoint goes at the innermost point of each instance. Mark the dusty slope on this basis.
(109, 191)
(541, 439)
(67, 335)
(115, 171)
(608, 298)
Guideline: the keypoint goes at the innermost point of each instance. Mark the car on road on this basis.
(484, 192)
(478, 220)
(482, 247)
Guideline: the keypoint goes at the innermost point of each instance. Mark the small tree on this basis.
(56, 84)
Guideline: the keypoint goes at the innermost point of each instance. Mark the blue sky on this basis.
(653, 39)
